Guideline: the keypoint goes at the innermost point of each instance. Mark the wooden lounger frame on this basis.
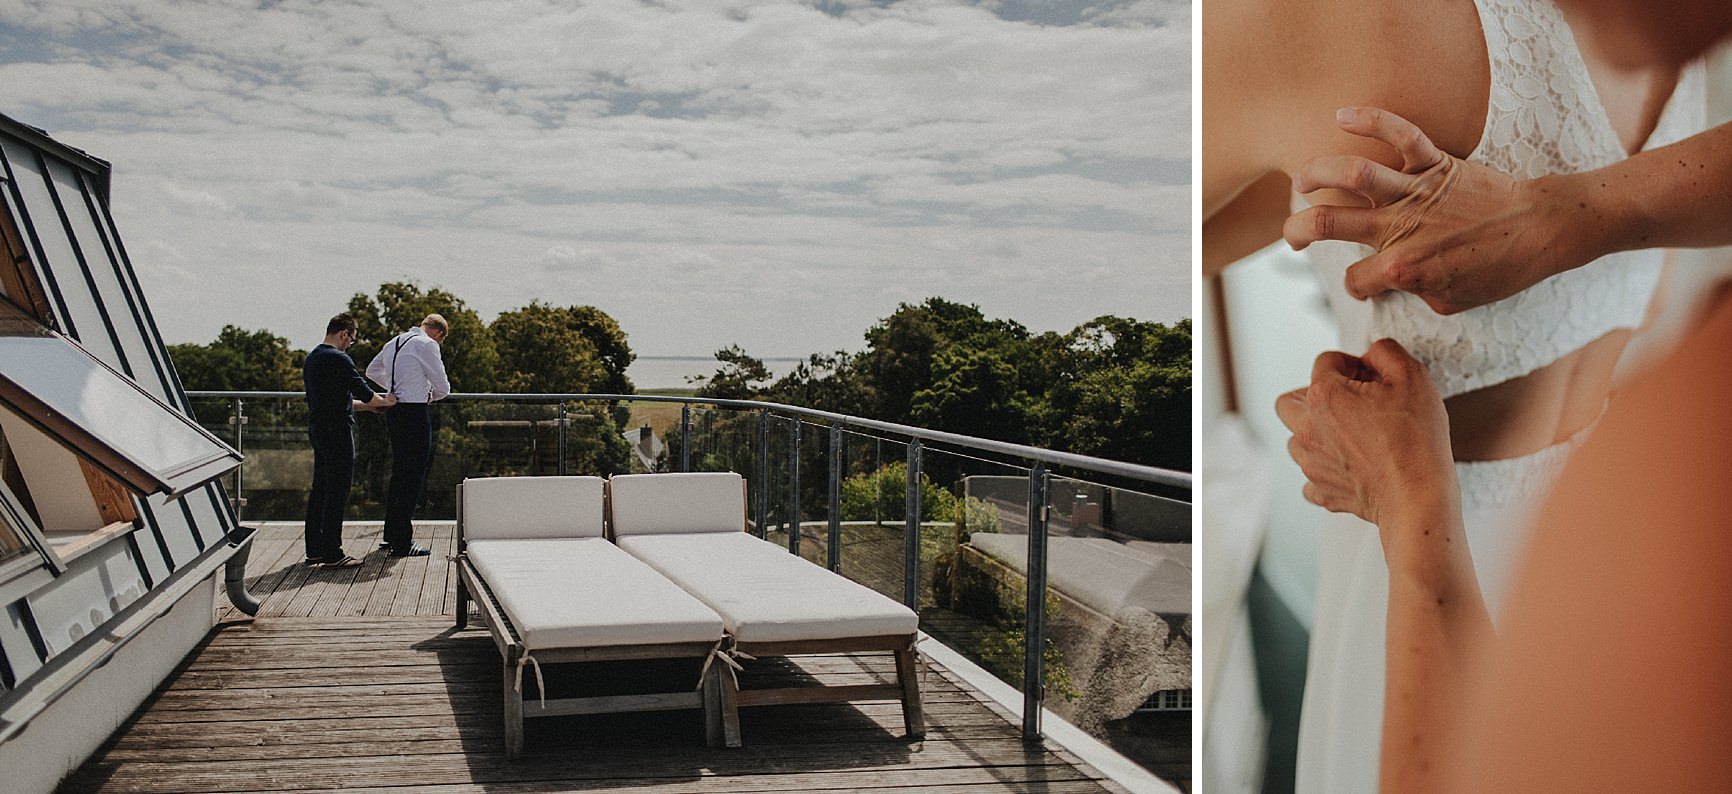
(471, 586)
(723, 720)
(906, 689)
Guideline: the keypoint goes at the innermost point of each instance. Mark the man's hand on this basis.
(1455, 234)
(379, 402)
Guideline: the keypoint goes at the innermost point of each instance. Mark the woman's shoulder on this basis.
(1274, 73)
(1303, 59)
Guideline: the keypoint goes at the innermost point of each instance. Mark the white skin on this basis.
(1370, 435)
(1459, 235)
(1525, 723)
(1277, 75)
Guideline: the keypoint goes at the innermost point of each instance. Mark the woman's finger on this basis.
(1290, 407)
(1329, 499)
(1333, 222)
(1378, 183)
(1417, 151)
(1334, 365)
(1389, 359)
(1317, 466)
(1370, 277)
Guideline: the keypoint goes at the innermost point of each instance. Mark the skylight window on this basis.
(67, 393)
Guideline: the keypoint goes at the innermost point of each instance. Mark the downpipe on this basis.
(235, 571)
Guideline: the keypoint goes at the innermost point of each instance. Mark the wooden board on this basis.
(377, 702)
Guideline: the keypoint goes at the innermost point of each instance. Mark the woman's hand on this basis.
(1372, 438)
(1455, 234)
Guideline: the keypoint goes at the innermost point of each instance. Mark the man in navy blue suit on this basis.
(334, 392)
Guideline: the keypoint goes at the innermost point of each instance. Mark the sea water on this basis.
(671, 372)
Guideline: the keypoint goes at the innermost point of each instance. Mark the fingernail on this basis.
(1346, 115)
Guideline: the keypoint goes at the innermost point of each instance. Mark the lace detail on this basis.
(1543, 117)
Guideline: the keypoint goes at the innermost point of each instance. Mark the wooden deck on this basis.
(356, 679)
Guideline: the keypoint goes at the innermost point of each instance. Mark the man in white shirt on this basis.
(410, 369)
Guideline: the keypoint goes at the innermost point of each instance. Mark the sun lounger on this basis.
(552, 589)
(690, 528)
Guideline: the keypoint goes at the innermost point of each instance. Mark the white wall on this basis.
(60, 738)
(1278, 323)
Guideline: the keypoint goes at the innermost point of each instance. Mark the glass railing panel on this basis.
(814, 503)
(277, 471)
(1119, 613)
(1116, 647)
(778, 479)
(873, 496)
(973, 564)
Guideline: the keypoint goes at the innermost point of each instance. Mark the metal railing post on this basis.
(877, 495)
(686, 437)
(794, 487)
(911, 533)
(834, 556)
(763, 472)
(1034, 632)
(239, 419)
(562, 438)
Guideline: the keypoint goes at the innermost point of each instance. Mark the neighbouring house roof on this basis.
(646, 444)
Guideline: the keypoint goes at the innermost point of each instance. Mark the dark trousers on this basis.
(333, 473)
(411, 430)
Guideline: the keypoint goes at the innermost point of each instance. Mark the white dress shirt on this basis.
(420, 375)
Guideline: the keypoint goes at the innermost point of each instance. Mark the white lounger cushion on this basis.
(532, 507)
(586, 593)
(664, 504)
(766, 594)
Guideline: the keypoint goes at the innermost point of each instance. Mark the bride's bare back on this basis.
(1273, 75)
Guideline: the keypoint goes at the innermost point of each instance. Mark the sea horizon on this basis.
(671, 371)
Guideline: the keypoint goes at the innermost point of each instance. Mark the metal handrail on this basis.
(1039, 480)
(1134, 471)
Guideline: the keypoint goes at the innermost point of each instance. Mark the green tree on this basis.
(974, 391)
(471, 360)
(736, 378)
(1121, 389)
(239, 360)
(540, 351)
(573, 349)
(937, 347)
(830, 382)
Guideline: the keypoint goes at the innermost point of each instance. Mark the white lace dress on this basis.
(1544, 117)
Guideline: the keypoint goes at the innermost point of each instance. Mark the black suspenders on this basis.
(401, 338)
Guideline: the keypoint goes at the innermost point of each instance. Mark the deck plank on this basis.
(357, 679)
(273, 705)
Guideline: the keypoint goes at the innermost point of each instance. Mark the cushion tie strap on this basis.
(727, 657)
(540, 685)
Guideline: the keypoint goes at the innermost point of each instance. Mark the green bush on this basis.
(883, 495)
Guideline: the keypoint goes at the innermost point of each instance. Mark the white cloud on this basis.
(734, 159)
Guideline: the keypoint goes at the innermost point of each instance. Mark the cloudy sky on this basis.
(773, 174)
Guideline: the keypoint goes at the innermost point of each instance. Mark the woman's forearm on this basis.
(1675, 196)
(1436, 618)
